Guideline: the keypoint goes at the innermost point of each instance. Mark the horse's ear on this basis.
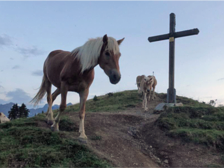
(120, 41)
(105, 38)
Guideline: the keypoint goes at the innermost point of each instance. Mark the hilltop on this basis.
(119, 134)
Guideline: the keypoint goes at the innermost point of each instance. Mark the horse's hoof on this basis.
(83, 140)
(50, 122)
(54, 130)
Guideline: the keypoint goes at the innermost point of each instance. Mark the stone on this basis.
(166, 161)
(163, 106)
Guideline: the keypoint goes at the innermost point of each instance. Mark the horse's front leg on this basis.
(83, 96)
(145, 101)
(148, 95)
(153, 93)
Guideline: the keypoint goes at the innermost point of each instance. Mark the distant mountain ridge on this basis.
(6, 107)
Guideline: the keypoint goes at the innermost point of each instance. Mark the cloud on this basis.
(5, 40)
(1, 89)
(37, 73)
(16, 67)
(220, 79)
(30, 51)
(18, 96)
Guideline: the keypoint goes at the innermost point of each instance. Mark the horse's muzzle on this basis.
(115, 76)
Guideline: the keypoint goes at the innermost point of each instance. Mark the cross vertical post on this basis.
(171, 92)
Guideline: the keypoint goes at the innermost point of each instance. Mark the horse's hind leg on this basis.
(49, 101)
(83, 96)
(49, 113)
(145, 102)
(55, 94)
(63, 91)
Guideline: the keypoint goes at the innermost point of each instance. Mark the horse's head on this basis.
(148, 83)
(109, 58)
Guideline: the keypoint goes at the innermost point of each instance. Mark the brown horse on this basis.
(74, 71)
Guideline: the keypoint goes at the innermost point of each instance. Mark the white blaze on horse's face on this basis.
(109, 59)
(148, 83)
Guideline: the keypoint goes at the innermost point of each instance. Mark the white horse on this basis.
(3, 118)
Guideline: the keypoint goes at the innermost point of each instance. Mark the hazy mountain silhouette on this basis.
(6, 107)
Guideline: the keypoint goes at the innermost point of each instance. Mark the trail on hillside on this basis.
(131, 138)
(114, 136)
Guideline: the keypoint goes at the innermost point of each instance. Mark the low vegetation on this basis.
(200, 124)
(23, 144)
(110, 102)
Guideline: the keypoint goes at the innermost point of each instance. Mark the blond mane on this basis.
(89, 53)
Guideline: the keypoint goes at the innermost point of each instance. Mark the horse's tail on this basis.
(40, 94)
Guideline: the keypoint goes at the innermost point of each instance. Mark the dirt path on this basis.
(114, 136)
(130, 139)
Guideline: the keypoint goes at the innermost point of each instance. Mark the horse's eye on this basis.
(107, 54)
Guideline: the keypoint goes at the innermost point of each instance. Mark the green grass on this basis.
(118, 102)
(96, 137)
(23, 144)
(124, 100)
(186, 101)
(214, 165)
(201, 124)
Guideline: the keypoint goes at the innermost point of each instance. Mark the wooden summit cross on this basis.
(171, 92)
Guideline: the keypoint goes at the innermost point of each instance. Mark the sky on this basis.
(29, 31)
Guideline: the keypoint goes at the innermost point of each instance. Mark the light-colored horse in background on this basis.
(3, 118)
(146, 87)
(74, 71)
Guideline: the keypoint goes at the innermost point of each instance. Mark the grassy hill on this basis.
(123, 100)
(203, 125)
(110, 102)
(25, 143)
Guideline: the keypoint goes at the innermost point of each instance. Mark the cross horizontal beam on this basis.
(175, 35)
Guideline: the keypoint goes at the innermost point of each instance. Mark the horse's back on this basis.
(154, 78)
(58, 53)
(54, 65)
(139, 78)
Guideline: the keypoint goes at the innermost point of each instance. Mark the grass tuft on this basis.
(203, 125)
(25, 145)
(111, 102)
